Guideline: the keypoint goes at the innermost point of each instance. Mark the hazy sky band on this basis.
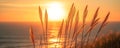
(27, 9)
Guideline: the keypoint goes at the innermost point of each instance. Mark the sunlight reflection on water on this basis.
(52, 39)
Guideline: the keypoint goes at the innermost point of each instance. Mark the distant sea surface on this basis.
(16, 35)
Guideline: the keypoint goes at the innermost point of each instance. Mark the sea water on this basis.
(16, 34)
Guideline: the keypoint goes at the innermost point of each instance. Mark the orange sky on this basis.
(27, 10)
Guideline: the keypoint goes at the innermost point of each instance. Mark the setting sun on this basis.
(55, 11)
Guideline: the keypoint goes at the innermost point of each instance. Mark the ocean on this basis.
(16, 34)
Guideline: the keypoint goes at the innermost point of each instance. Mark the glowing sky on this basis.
(27, 10)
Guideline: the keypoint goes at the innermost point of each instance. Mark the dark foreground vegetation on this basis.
(110, 40)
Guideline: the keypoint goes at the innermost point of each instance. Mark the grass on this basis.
(72, 29)
(32, 36)
(111, 40)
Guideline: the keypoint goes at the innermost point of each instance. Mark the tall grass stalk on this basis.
(71, 13)
(102, 25)
(71, 26)
(74, 29)
(46, 23)
(84, 20)
(41, 20)
(92, 26)
(32, 36)
(71, 22)
(94, 22)
(60, 31)
(76, 26)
